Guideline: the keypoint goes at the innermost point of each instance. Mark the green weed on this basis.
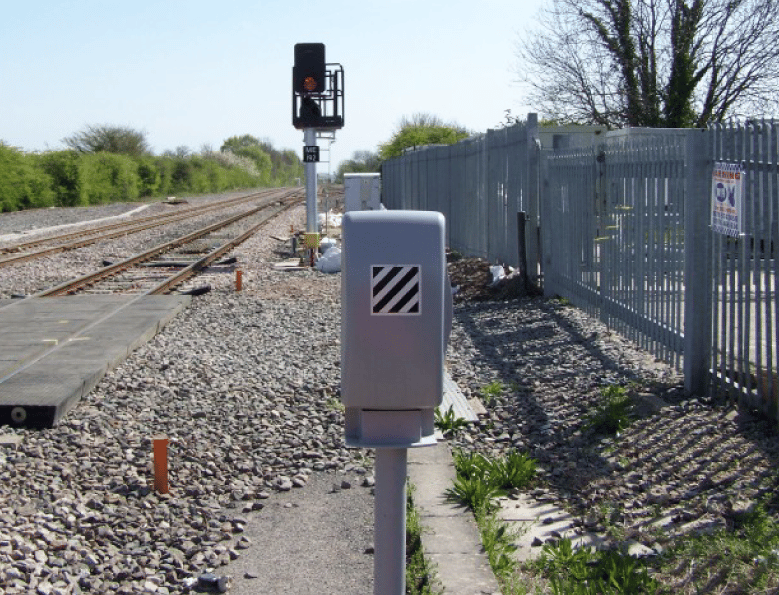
(613, 415)
(498, 543)
(475, 493)
(469, 465)
(419, 574)
(583, 571)
(479, 482)
(743, 558)
(335, 404)
(491, 391)
(517, 470)
(448, 422)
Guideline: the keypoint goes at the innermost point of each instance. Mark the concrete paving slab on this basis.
(68, 345)
(535, 523)
(450, 538)
(454, 398)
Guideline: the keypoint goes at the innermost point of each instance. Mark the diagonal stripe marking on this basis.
(385, 289)
(411, 287)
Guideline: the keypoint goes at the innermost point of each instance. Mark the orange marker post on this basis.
(161, 464)
(238, 280)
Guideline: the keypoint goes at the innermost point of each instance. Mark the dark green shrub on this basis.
(149, 177)
(64, 168)
(165, 167)
(181, 176)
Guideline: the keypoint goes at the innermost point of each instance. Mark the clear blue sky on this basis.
(194, 72)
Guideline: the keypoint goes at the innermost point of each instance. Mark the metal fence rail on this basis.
(624, 228)
(744, 283)
(618, 246)
(479, 184)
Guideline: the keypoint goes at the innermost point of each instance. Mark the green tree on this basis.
(361, 162)
(653, 63)
(275, 167)
(418, 131)
(261, 160)
(235, 143)
(109, 139)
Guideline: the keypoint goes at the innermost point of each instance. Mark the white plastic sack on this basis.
(326, 243)
(498, 273)
(332, 219)
(330, 261)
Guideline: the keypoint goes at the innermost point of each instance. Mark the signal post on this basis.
(317, 105)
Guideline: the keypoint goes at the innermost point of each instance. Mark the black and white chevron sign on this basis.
(395, 289)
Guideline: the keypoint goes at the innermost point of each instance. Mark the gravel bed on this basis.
(33, 219)
(246, 386)
(27, 278)
(684, 466)
(38, 219)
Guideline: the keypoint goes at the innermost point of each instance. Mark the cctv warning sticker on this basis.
(396, 289)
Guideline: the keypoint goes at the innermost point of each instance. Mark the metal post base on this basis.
(389, 562)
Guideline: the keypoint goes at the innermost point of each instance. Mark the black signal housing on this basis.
(309, 74)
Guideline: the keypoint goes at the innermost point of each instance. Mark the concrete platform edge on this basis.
(450, 538)
(91, 336)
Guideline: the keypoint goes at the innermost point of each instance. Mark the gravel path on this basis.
(246, 386)
(312, 541)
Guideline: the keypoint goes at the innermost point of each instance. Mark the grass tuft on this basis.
(448, 422)
(614, 413)
(583, 571)
(491, 391)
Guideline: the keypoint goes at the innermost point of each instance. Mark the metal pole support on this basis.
(697, 263)
(389, 561)
(522, 248)
(312, 217)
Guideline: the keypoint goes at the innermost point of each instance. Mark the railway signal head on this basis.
(309, 74)
(317, 89)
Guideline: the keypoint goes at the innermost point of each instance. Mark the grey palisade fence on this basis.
(619, 223)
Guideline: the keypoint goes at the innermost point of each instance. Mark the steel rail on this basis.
(193, 269)
(127, 229)
(130, 222)
(74, 285)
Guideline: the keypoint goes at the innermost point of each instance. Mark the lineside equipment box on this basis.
(396, 312)
(362, 192)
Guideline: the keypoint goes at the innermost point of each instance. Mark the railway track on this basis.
(25, 251)
(164, 267)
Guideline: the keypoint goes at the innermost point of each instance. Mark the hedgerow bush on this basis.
(149, 177)
(64, 170)
(109, 177)
(72, 178)
(23, 185)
